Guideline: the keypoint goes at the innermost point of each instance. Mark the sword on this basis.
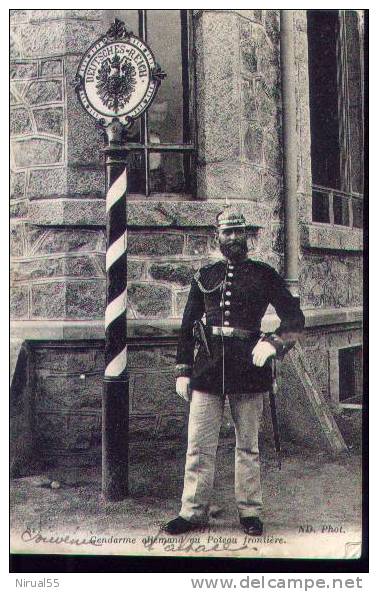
(200, 336)
(273, 410)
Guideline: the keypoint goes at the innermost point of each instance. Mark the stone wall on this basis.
(58, 212)
(239, 110)
(330, 257)
(68, 393)
(55, 155)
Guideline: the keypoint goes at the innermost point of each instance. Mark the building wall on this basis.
(58, 215)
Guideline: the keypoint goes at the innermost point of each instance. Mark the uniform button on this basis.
(230, 267)
(228, 284)
(228, 293)
(230, 275)
(227, 313)
(226, 323)
(227, 303)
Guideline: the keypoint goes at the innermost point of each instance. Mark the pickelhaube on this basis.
(230, 218)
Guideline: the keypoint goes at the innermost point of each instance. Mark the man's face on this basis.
(233, 243)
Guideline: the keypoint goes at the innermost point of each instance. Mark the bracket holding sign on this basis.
(116, 81)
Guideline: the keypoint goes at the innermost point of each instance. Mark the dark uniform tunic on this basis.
(233, 296)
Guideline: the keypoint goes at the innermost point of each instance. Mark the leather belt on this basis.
(234, 332)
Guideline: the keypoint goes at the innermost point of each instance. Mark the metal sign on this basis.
(117, 77)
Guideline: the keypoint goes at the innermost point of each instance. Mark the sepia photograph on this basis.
(186, 282)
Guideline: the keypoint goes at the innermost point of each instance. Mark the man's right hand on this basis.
(182, 387)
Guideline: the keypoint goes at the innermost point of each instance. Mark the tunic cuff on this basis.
(282, 345)
(183, 370)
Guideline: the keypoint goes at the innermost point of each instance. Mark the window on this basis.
(350, 376)
(163, 138)
(336, 71)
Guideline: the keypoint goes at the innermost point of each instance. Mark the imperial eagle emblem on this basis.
(116, 82)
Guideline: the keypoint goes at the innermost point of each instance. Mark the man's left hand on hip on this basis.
(262, 351)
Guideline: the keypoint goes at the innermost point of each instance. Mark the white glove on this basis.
(182, 387)
(262, 351)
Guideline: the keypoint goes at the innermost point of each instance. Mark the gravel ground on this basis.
(311, 489)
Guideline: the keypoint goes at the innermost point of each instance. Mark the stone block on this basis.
(71, 360)
(84, 142)
(168, 356)
(19, 122)
(80, 267)
(177, 273)
(252, 143)
(323, 237)
(150, 301)
(83, 182)
(87, 15)
(17, 184)
(36, 151)
(85, 299)
(272, 151)
(68, 212)
(17, 14)
(47, 182)
(15, 49)
(154, 244)
(218, 79)
(45, 15)
(330, 281)
(135, 270)
(272, 25)
(197, 244)
(56, 37)
(181, 298)
(48, 301)
(19, 302)
(37, 269)
(143, 357)
(19, 209)
(65, 392)
(23, 70)
(16, 92)
(231, 180)
(248, 49)
(249, 102)
(50, 431)
(252, 15)
(83, 432)
(272, 190)
(41, 92)
(51, 67)
(61, 240)
(155, 393)
(17, 240)
(49, 120)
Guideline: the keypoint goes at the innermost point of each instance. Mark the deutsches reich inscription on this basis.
(118, 76)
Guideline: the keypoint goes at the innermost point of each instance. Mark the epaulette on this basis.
(210, 277)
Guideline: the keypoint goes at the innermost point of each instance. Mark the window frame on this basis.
(345, 192)
(188, 147)
(334, 376)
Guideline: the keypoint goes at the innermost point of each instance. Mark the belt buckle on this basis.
(227, 331)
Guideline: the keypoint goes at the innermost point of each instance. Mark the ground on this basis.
(312, 491)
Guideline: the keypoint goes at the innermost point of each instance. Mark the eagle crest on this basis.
(116, 82)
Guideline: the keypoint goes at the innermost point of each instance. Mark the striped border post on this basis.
(115, 408)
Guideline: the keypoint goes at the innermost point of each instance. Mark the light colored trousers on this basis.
(205, 419)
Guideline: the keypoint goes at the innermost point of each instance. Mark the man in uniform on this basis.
(232, 358)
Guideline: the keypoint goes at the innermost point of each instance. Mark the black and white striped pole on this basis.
(115, 407)
(116, 81)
